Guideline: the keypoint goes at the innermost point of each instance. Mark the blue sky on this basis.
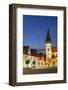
(35, 30)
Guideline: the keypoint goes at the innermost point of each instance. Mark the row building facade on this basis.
(38, 60)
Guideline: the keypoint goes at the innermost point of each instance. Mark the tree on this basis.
(33, 64)
(27, 62)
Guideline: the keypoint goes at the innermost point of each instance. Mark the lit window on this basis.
(41, 63)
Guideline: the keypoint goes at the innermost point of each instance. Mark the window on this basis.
(39, 63)
(48, 49)
(53, 56)
(42, 63)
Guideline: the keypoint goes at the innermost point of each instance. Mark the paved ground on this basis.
(39, 71)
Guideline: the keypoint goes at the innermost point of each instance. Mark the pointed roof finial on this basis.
(48, 39)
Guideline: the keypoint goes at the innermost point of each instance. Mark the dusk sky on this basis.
(35, 29)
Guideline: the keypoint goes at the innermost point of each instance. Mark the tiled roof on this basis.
(54, 49)
(33, 52)
(25, 49)
(41, 55)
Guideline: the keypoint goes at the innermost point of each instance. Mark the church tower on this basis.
(48, 47)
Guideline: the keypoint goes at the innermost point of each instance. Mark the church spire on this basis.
(48, 39)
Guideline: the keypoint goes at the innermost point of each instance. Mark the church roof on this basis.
(48, 39)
